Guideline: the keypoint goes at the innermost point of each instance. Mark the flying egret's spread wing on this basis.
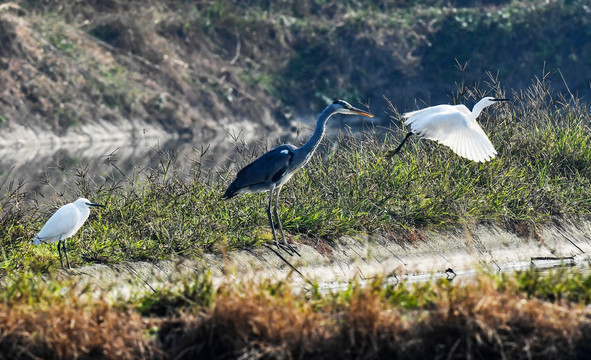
(454, 126)
(449, 125)
(63, 222)
(268, 168)
(434, 110)
(462, 108)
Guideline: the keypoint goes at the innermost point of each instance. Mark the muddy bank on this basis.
(364, 257)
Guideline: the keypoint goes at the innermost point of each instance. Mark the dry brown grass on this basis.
(72, 331)
(477, 321)
(485, 318)
(254, 323)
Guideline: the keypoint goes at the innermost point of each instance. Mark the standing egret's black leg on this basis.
(66, 252)
(59, 251)
(281, 225)
(397, 150)
(63, 244)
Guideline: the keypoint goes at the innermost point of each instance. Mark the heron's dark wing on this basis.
(268, 168)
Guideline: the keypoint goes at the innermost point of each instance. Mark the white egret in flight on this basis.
(454, 126)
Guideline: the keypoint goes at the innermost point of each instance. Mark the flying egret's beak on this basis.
(97, 205)
(360, 112)
(500, 100)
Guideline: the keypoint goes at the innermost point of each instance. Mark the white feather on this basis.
(454, 126)
(65, 222)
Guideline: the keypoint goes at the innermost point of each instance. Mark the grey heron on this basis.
(454, 126)
(273, 169)
(64, 223)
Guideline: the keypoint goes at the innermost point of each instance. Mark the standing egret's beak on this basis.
(98, 205)
(500, 100)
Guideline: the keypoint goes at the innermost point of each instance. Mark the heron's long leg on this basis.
(277, 215)
(276, 212)
(279, 246)
(397, 150)
(269, 214)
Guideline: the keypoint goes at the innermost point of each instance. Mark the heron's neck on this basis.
(304, 153)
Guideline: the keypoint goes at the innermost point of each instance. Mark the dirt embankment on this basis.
(366, 257)
(75, 69)
(76, 74)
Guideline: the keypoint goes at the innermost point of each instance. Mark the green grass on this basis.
(196, 291)
(541, 173)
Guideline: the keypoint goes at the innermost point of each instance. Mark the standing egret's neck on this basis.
(303, 154)
(479, 106)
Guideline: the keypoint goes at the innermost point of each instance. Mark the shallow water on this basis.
(62, 169)
(542, 265)
(50, 171)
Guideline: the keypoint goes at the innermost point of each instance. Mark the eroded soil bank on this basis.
(367, 256)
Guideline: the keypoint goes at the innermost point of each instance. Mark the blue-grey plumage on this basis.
(274, 168)
(257, 176)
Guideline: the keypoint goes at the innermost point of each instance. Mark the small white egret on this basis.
(454, 126)
(273, 169)
(64, 223)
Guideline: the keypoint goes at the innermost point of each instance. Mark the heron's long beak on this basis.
(360, 112)
(500, 100)
(97, 205)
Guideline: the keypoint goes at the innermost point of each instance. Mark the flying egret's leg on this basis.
(397, 150)
(279, 222)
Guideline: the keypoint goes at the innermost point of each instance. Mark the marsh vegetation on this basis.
(188, 67)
